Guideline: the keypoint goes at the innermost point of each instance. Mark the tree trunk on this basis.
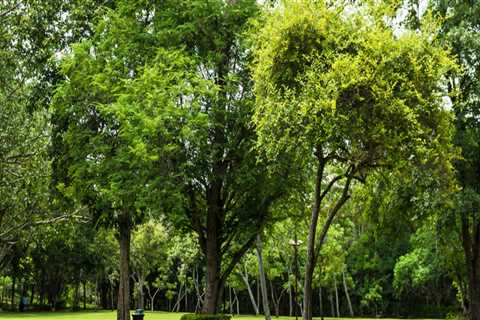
(290, 296)
(230, 299)
(213, 256)
(310, 263)
(76, 297)
(13, 293)
(332, 308)
(345, 287)
(276, 300)
(112, 303)
(84, 295)
(236, 299)
(250, 293)
(123, 304)
(314, 245)
(176, 306)
(186, 294)
(320, 301)
(471, 247)
(263, 282)
(336, 295)
(32, 296)
(141, 294)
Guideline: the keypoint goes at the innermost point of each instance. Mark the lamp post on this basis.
(295, 243)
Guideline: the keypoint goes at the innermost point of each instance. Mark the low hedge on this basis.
(204, 316)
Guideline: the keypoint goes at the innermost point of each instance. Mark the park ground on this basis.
(111, 315)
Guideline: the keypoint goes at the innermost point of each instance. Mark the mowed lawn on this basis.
(111, 315)
(103, 315)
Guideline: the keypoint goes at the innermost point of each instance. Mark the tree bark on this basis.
(471, 247)
(310, 263)
(13, 293)
(290, 296)
(236, 298)
(320, 301)
(250, 293)
(314, 245)
(213, 279)
(330, 297)
(123, 305)
(32, 296)
(263, 282)
(84, 295)
(336, 295)
(345, 287)
(230, 299)
(76, 297)
(212, 245)
(141, 294)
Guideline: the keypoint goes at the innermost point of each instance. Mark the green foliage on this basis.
(201, 316)
(367, 97)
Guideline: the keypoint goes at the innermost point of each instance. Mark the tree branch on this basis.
(333, 212)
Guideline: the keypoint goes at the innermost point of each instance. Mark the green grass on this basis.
(111, 315)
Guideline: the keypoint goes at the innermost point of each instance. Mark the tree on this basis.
(111, 143)
(228, 192)
(149, 248)
(459, 31)
(351, 99)
(30, 34)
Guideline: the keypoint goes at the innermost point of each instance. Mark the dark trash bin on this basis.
(138, 314)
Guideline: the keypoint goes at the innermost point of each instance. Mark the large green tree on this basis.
(141, 119)
(459, 30)
(111, 121)
(337, 88)
(228, 192)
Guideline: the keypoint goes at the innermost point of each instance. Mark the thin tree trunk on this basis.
(258, 292)
(471, 247)
(112, 303)
(276, 300)
(32, 295)
(336, 295)
(141, 294)
(84, 295)
(263, 282)
(76, 297)
(314, 245)
(290, 295)
(123, 304)
(230, 299)
(186, 294)
(176, 306)
(13, 293)
(320, 301)
(236, 298)
(310, 263)
(197, 289)
(249, 289)
(152, 297)
(332, 308)
(345, 287)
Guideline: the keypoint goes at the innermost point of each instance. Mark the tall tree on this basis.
(228, 191)
(459, 30)
(110, 140)
(352, 98)
(148, 254)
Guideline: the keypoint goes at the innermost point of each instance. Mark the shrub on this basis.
(203, 316)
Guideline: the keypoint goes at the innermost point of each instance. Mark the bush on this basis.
(203, 316)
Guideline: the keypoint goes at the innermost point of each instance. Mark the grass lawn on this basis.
(111, 315)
